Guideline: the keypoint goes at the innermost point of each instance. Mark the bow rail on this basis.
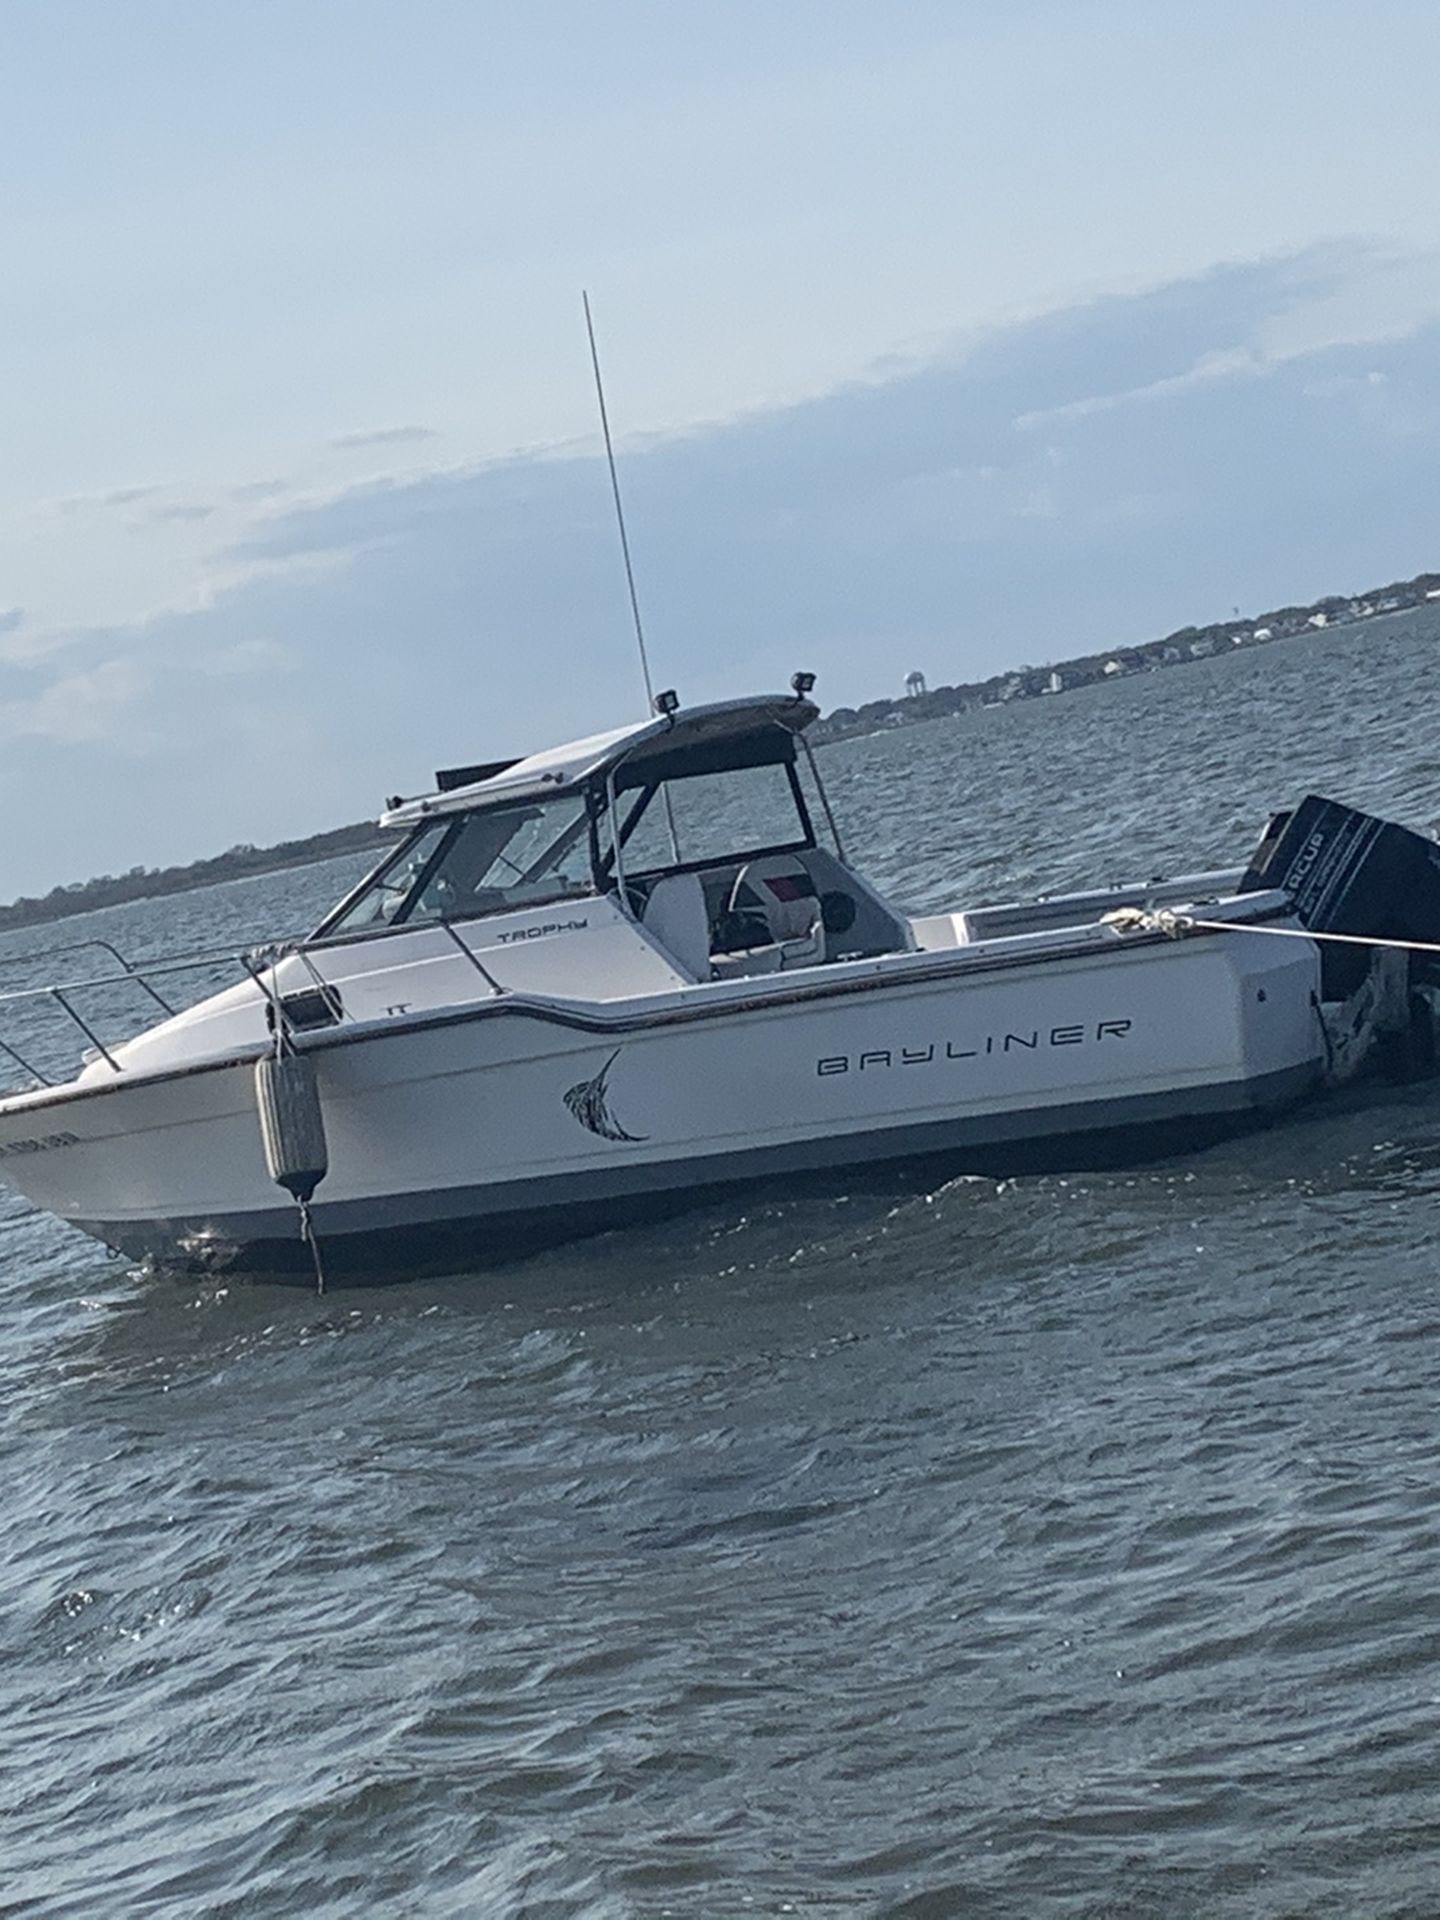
(63, 995)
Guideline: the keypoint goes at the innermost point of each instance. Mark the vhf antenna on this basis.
(619, 509)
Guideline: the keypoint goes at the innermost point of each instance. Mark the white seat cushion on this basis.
(675, 916)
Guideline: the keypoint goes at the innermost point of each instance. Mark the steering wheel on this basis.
(742, 875)
(742, 878)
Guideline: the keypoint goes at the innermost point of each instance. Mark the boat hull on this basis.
(482, 1225)
(466, 1138)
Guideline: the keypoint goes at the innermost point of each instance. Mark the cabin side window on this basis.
(718, 818)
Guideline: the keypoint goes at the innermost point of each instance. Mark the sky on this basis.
(951, 335)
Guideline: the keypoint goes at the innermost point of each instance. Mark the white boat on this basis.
(625, 972)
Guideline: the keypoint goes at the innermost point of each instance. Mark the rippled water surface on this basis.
(1058, 1547)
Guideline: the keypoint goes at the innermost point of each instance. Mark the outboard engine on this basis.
(1348, 872)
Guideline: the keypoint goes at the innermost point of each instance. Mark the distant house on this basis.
(1318, 620)
(1055, 684)
(1262, 633)
(1111, 668)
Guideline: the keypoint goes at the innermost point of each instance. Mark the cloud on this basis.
(462, 613)
(1344, 385)
(10, 619)
(180, 511)
(246, 657)
(251, 490)
(77, 708)
(104, 502)
(908, 511)
(1238, 363)
(381, 437)
(1181, 468)
(154, 506)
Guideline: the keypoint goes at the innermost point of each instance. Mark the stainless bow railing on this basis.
(71, 998)
(67, 996)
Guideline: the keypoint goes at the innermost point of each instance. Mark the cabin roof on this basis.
(724, 733)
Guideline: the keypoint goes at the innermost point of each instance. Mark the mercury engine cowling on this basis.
(1348, 872)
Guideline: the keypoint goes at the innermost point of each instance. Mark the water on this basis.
(1058, 1547)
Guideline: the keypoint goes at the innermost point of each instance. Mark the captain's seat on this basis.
(675, 915)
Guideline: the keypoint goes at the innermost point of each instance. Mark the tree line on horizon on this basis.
(150, 883)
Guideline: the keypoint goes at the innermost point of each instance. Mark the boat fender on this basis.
(292, 1123)
(292, 1127)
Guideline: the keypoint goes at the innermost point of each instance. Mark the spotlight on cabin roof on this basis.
(802, 683)
(667, 704)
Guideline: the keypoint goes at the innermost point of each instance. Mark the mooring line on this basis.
(1165, 920)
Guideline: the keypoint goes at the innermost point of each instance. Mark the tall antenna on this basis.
(619, 509)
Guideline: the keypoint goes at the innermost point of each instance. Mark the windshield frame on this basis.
(611, 805)
(405, 918)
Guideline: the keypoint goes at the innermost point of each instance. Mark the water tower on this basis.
(915, 684)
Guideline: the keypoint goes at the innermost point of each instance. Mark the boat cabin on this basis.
(708, 828)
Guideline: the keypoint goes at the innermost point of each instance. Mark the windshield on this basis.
(478, 863)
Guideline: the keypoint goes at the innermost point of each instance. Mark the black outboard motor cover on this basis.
(1348, 872)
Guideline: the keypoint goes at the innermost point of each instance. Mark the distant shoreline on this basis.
(1115, 663)
(842, 723)
(156, 883)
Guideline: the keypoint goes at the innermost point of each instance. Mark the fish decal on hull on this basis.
(589, 1103)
